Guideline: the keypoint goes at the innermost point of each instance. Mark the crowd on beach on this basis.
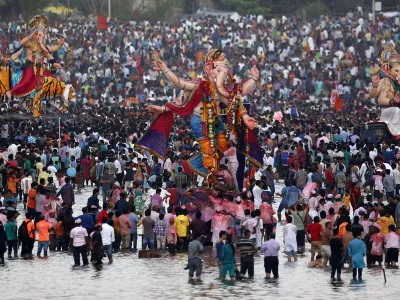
(341, 193)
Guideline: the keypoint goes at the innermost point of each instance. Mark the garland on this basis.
(396, 86)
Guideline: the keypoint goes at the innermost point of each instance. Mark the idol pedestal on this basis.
(376, 132)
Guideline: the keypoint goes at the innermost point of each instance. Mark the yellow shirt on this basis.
(44, 175)
(182, 224)
(346, 200)
(384, 222)
(39, 167)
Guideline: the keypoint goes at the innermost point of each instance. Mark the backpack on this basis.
(285, 158)
(369, 174)
(23, 233)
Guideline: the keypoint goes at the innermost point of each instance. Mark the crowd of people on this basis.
(338, 190)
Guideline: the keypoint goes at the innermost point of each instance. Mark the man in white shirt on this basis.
(52, 170)
(268, 159)
(257, 190)
(26, 183)
(79, 243)
(396, 175)
(118, 171)
(289, 236)
(13, 149)
(251, 225)
(168, 165)
(108, 237)
(152, 191)
(76, 151)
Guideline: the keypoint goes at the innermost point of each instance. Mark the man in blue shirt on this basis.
(67, 192)
(94, 199)
(121, 204)
(156, 170)
(285, 199)
(388, 155)
(87, 220)
(133, 231)
(294, 194)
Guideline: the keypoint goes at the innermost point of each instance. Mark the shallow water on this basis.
(128, 276)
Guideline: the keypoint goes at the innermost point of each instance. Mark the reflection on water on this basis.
(128, 276)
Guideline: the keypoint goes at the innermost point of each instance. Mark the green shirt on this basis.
(299, 217)
(27, 164)
(337, 138)
(11, 231)
(346, 158)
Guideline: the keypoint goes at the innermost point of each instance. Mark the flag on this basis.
(102, 22)
(338, 103)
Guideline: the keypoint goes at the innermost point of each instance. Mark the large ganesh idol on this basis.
(200, 101)
(388, 89)
(36, 79)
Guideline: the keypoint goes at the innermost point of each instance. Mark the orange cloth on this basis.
(59, 229)
(117, 226)
(31, 228)
(5, 79)
(222, 142)
(342, 229)
(12, 184)
(31, 199)
(207, 158)
(43, 228)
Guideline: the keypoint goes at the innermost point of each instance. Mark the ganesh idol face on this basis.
(215, 63)
(219, 69)
(41, 36)
(395, 71)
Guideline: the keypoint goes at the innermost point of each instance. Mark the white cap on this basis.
(78, 221)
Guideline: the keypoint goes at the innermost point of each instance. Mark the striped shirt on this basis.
(161, 228)
(246, 247)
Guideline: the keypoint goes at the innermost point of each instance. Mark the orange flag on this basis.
(338, 103)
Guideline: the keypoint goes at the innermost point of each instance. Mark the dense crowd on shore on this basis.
(340, 193)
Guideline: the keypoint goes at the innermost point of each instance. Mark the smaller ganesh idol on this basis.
(388, 89)
(201, 99)
(36, 79)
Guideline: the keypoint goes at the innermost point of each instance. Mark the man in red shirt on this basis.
(315, 230)
(301, 153)
(329, 179)
(174, 195)
(355, 195)
(102, 214)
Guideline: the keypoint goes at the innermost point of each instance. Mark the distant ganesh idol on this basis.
(36, 79)
(201, 100)
(388, 89)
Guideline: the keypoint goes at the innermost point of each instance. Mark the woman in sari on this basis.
(85, 163)
(139, 202)
(92, 170)
(97, 245)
